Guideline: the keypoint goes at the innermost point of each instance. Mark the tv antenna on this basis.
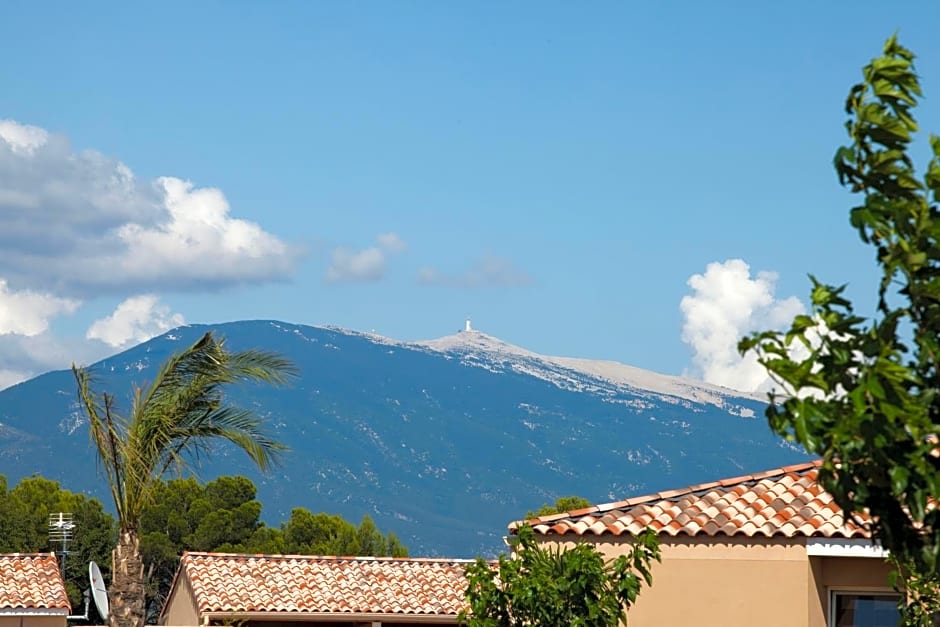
(61, 530)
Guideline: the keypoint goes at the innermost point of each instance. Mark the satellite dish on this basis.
(98, 592)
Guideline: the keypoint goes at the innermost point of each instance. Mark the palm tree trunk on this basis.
(127, 581)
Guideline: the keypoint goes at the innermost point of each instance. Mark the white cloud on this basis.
(22, 137)
(28, 346)
(76, 225)
(135, 320)
(348, 265)
(490, 271)
(28, 313)
(11, 377)
(198, 242)
(80, 222)
(391, 242)
(23, 357)
(727, 304)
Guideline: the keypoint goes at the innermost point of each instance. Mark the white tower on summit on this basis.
(468, 328)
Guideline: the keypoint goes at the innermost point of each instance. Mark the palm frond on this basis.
(178, 369)
(241, 427)
(108, 435)
(185, 407)
(261, 367)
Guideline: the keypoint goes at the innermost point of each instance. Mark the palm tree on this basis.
(172, 422)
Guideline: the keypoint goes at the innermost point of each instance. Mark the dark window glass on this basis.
(866, 610)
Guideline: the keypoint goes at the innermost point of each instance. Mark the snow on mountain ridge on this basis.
(464, 341)
(476, 344)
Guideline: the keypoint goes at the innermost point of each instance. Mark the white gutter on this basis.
(844, 547)
(34, 611)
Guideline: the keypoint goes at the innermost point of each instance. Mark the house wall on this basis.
(720, 581)
(348, 623)
(33, 621)
(855, 573)
(297, 619)
(180, 609)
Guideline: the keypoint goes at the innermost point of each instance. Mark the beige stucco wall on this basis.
(717, 582)
(33, 621)
(351, 622)
(180, 609)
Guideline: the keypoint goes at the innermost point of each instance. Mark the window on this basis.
(864, 609)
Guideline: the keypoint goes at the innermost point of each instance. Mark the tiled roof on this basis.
(31, 580)
(784, 502)
(223, 582)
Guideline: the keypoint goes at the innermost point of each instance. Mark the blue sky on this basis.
(554, 171)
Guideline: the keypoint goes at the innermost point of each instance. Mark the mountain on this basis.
(444, 441)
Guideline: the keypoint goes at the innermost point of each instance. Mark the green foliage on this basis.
(395, 546)
(184, 515)
(863, 393)
(24, 528)
(324, 534)
(545, 587)
(319, 534)
(562, 504)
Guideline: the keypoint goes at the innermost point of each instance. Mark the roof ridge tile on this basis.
(332, 558)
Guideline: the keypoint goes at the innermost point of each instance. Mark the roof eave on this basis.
(34, 611)
(350, 617)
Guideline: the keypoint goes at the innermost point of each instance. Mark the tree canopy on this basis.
(545, 587)
(24, 527)
(562, 504)
(862, 392)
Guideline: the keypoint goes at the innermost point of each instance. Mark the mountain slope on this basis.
(443, 442)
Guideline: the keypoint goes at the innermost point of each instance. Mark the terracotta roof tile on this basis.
(31, 580)
(784, 502)
(223, 582)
